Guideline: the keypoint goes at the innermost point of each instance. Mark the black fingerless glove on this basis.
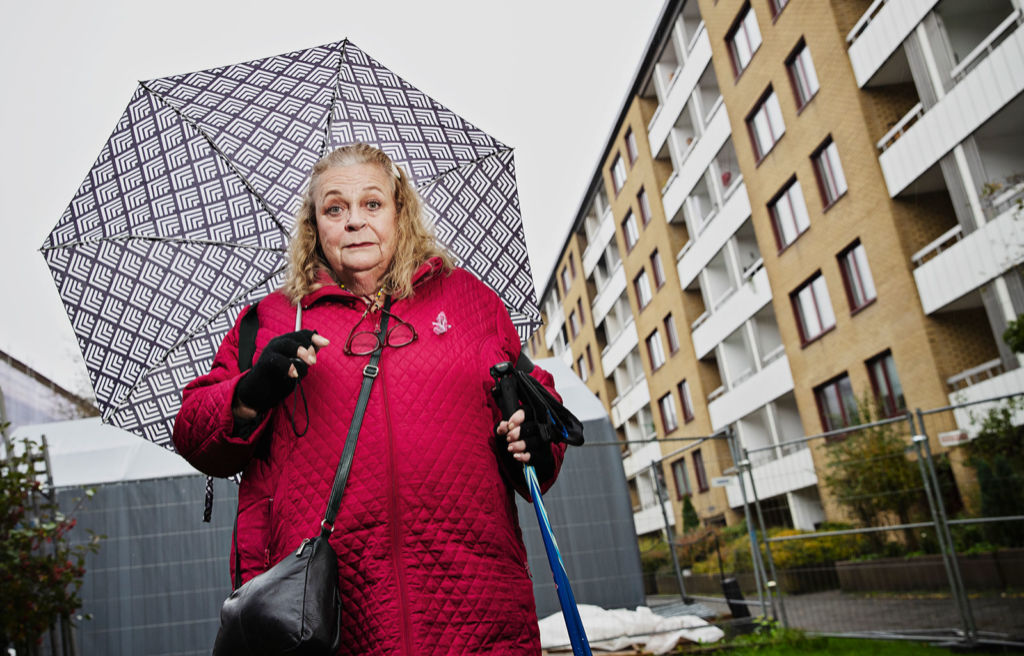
(268, 382)
(538, 445)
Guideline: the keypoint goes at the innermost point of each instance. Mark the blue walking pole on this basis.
(505, 393)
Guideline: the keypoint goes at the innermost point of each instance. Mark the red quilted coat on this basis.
(430, 555)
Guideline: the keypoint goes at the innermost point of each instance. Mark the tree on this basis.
(872, 478)
(41, 571)
(997, 453)
(690, 519)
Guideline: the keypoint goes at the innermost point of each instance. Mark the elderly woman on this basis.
(430, 556)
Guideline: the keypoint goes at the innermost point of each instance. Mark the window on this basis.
(789, 214)
(777, 6)
(579, 311)
(698, 470)
(582, 366)
(618, 173)
(668, 413)
(765, 124)
(643, 289)
(813, 308)
(743, 39)
(831, 181)
(566, 279)
(802, 75)
(837, 405)
(631, 146)
(644, 205)
(686, 401)
(886, 384)
(681, 478)
(574, 323)
(671, 334)
(656, 270)
(654, 350)
(630, 232)
(590, 359)
(860, 287)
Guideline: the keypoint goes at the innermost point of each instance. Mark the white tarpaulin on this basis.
(619, 629)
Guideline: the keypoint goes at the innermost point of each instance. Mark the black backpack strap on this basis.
(247, 337)
(524, 363)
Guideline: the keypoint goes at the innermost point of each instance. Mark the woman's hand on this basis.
(282, 363)
(510, 430)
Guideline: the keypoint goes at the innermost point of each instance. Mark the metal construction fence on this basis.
(932, 542)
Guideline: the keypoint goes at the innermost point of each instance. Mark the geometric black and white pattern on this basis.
(185, 216)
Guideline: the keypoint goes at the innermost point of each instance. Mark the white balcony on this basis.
(995, 81)
(629, 402)
(763, 386)
(751, 296)
(605, 299)
(650, 519)
(641, 458)
(1011, 382)
(682, 182)
(616, 351)
(595, 247)
(787, 474)
(880, 31)
(971, 262)
(680, 91)
(702, 248)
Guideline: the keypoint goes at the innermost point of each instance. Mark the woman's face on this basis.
(356, 219)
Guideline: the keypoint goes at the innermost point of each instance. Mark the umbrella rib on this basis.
(125, 400)
(170, 240)
(216, 149)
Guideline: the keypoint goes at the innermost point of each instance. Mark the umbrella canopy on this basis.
(186, 214)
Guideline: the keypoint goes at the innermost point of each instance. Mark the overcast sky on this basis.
(546, 77)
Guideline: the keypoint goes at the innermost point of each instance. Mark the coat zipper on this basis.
(395, 527)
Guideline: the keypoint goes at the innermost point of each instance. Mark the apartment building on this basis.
(803, 205)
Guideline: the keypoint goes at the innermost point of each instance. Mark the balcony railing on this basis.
(944, 241)
(969, 377)
(985, 47)
(890, 137)
(864, 21)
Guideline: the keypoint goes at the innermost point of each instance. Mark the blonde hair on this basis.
(415, 243)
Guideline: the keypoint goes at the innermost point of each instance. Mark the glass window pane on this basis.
(828, 318)
(775, 116)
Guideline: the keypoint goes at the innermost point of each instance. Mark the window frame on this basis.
(644, 204)
(844, 410)
(683, 488)
(630, 231)
(686, 401)
(642, 288)
(632, 154)
(655, 351)
(618, 171)
(667, 409)
(583, 371)
(777, 6)
(566, 279)
(741, 26)
(785, 194)
(574, 325)
(767, 99)
(699, 471)
(797, 70)
(801, 321)
(671, 334)
(826, 163)
(579, 310)
(854, 279)
(888, 370)
(657, 270)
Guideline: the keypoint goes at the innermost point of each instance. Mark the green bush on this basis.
(816, 551)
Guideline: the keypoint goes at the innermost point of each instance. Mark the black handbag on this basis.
(294, 607)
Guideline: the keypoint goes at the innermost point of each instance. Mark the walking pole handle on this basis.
(504, 390)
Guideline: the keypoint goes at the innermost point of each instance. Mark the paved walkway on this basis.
(837, 612)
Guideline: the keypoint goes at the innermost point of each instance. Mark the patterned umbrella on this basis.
(185, 216)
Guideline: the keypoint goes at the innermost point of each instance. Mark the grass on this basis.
(789, 646)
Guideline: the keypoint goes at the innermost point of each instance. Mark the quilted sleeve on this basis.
(204, 430)
(511, 346)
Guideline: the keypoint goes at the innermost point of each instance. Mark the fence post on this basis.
(773, 584)
(668, 530)
(942, 528)
(755, 552)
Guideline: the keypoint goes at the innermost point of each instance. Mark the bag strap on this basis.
(370, 372)
(247, 338)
